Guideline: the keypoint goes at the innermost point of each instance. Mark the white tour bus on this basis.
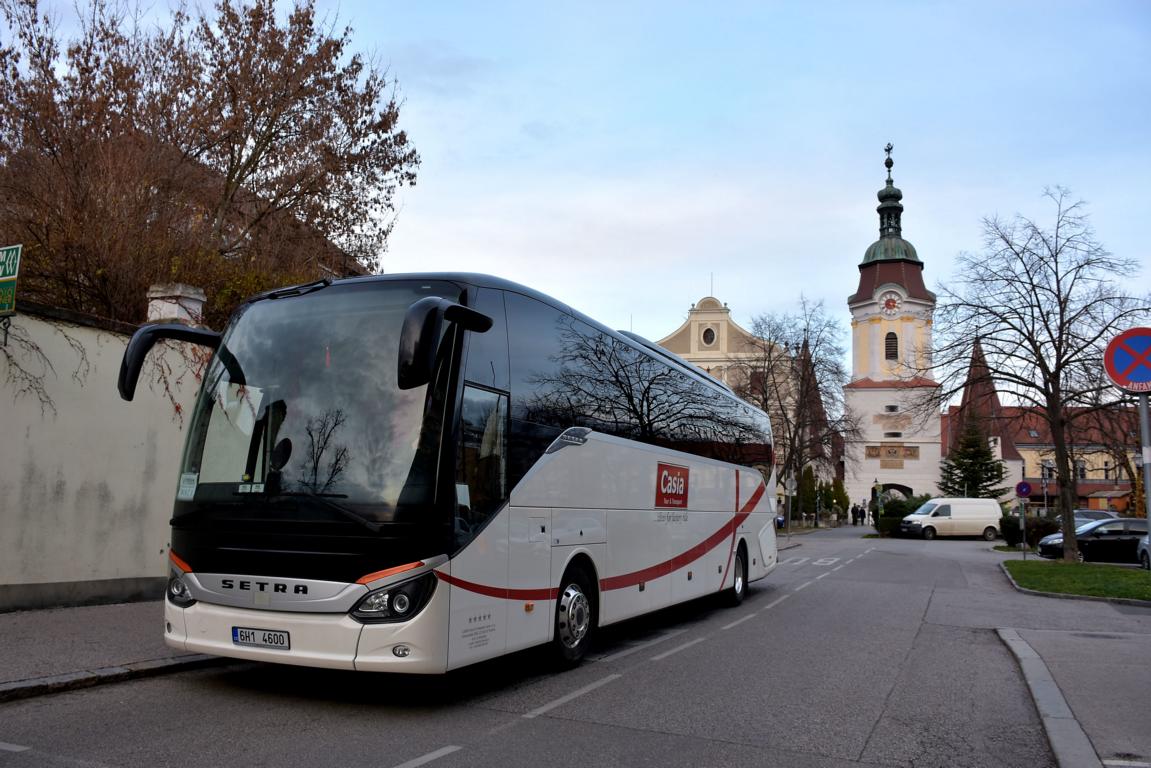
(413, 473)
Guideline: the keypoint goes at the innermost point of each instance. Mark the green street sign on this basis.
(9, 270)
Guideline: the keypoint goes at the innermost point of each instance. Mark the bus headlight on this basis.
(396, 602)
(178, 593)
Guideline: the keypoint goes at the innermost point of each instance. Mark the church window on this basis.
(891, 408)
(891, 345)
(893, 434)
(708, 337)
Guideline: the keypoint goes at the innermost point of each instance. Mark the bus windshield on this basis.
(300, 416)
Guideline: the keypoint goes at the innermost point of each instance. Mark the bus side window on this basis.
(481, 466)
(488, 352)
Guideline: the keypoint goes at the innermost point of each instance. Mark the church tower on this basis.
(891, 310)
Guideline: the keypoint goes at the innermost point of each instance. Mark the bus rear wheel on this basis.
(575, 618)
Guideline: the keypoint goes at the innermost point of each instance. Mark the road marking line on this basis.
(1126, 764)
(429, 757)
(628, 651)
(737, 622)
(836, 568)
(5, 747)
(688, 644)
(796, 560)
(573, 695)
(820, 576)
(801, 586)
(775, 602)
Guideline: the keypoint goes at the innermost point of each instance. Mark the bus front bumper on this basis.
(327, 640)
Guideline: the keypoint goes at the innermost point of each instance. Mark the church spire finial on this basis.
(889, 207)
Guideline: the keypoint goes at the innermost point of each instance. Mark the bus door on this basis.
(480, 563)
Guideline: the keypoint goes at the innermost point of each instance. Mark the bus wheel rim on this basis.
(575, 616)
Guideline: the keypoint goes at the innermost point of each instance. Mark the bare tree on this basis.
(1112, 429)
(795, 370)
(1043, 301)
(236, 150)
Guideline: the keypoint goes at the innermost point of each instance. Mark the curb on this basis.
(1064, 596)
(1069, 744)
(40, 686)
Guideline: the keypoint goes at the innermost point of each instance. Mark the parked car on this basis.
(1144, 553)
(1096, 514)
(1111, 540)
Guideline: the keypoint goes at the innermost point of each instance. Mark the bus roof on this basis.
(479, 280)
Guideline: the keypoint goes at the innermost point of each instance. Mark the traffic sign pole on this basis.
(1023, 491)
(1145, 429)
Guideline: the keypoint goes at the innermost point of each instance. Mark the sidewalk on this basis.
(60, 649)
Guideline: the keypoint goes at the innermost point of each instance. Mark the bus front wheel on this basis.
(737, 590)
(575, 618)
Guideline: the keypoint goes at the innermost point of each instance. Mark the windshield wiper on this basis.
(325, 501)
(298, 290)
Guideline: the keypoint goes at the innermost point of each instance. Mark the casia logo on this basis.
(671, 484)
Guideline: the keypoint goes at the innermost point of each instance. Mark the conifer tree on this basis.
(971, 470)
(807, 491)
(839, 494)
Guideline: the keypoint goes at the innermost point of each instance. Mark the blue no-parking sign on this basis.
(1128, 360)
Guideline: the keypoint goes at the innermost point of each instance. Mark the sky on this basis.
(631, 158)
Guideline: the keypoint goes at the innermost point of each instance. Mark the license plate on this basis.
(261, 638)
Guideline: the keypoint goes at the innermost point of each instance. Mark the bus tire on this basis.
(574, 619)
(738, 589)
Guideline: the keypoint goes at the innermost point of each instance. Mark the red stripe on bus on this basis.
(388, 572)
(627, 579)
(688, 557)
(178, 562)
(500, 592)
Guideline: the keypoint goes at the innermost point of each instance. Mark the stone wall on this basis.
(86, 479)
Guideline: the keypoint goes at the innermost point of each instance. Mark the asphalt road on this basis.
(853, 652)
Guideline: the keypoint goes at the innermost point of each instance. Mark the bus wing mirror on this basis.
(145, 338)
(420, 335)
(468, 319)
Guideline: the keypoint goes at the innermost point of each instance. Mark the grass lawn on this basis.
(1081, 578)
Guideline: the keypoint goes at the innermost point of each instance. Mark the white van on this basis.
(954, 517)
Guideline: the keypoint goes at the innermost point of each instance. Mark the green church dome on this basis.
(890, 249)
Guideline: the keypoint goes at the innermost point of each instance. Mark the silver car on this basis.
(1143, 554)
